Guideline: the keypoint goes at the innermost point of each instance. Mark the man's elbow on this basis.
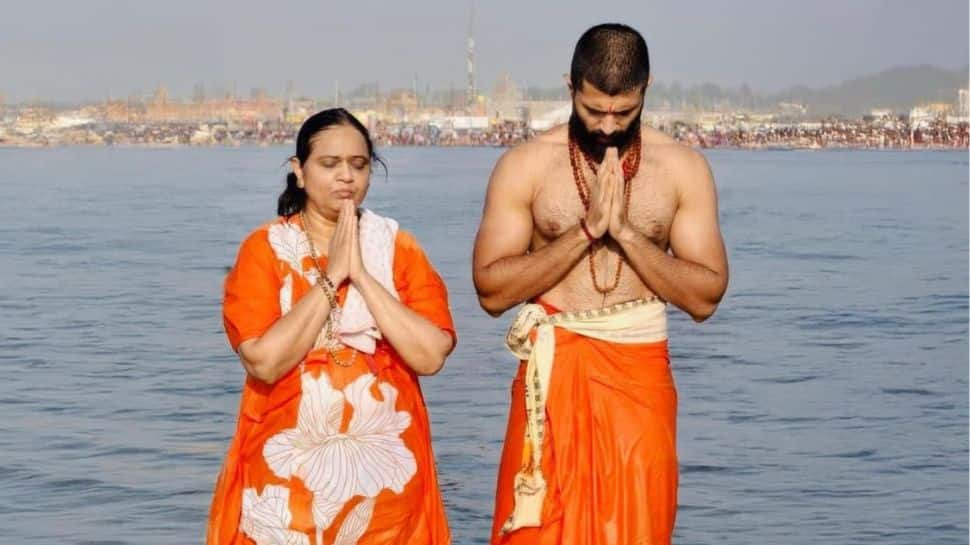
(488, 294)
(705, 305)
(492, 305)
(703, 310)
(700, 316)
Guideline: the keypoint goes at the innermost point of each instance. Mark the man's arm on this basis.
(504, 270)
(695, 277)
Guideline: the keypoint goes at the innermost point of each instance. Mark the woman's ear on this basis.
(298, 170)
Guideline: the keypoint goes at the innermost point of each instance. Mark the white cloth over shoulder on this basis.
(357, 328)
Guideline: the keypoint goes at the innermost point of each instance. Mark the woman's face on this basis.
(337, 169)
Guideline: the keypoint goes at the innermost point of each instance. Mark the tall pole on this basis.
(470, 92)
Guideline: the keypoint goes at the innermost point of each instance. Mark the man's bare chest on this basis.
(653, 202)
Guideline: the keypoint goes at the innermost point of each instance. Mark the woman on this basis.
(333, 313)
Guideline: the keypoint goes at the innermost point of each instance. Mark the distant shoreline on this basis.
(772, 148)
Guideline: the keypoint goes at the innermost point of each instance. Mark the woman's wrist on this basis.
(362, 280)
(335, 278)
(329, 289)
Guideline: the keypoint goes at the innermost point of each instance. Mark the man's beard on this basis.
(595, 143)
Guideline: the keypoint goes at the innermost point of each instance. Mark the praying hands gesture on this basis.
(606, 214)
(420, 343)
(344, 256)
(617, 201)
(598, 217)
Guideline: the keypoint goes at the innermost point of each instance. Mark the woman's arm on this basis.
(285, 344)
(421, 344)
(269, 357)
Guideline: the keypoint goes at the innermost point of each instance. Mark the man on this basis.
(598, 224)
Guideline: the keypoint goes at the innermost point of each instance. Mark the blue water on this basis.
(825, 402)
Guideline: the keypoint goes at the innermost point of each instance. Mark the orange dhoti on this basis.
(607, 473)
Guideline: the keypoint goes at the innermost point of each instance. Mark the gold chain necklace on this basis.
(331, 342)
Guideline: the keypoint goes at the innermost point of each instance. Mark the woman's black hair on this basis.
(293, 199)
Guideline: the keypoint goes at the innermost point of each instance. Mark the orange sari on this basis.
(328, 454)
(609, 450)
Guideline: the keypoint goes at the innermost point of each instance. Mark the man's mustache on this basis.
(606, 138)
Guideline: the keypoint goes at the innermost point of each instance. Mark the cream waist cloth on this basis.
(633, 322)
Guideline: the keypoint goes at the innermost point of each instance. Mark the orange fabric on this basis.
(609, 455)
(415, 515)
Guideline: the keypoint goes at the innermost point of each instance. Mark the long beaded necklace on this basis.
(331, 343)
(631, 163)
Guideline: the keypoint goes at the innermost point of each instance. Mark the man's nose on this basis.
(608, 126)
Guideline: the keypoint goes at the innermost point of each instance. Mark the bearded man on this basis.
(596, 225)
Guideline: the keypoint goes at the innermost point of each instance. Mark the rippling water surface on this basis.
(826, 401)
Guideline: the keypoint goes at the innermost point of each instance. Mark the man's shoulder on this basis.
(664, 147)
(674, 156)
(537, 151)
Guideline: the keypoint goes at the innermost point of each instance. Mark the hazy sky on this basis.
(70, 50)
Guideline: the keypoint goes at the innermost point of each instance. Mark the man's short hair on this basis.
(612, 57)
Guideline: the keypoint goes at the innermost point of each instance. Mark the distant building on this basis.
(939, 108)
(545, 114)
(791, 109)
(32, 120)
(963, 109)
(466, 122)
(117, 111)
(921, 117)
(506, 103)
(162, 109)
(69, 120)
(401, 104)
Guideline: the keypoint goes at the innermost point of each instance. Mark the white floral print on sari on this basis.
(291, 246)
(266, 517)
(366, 458)
(286, 294)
